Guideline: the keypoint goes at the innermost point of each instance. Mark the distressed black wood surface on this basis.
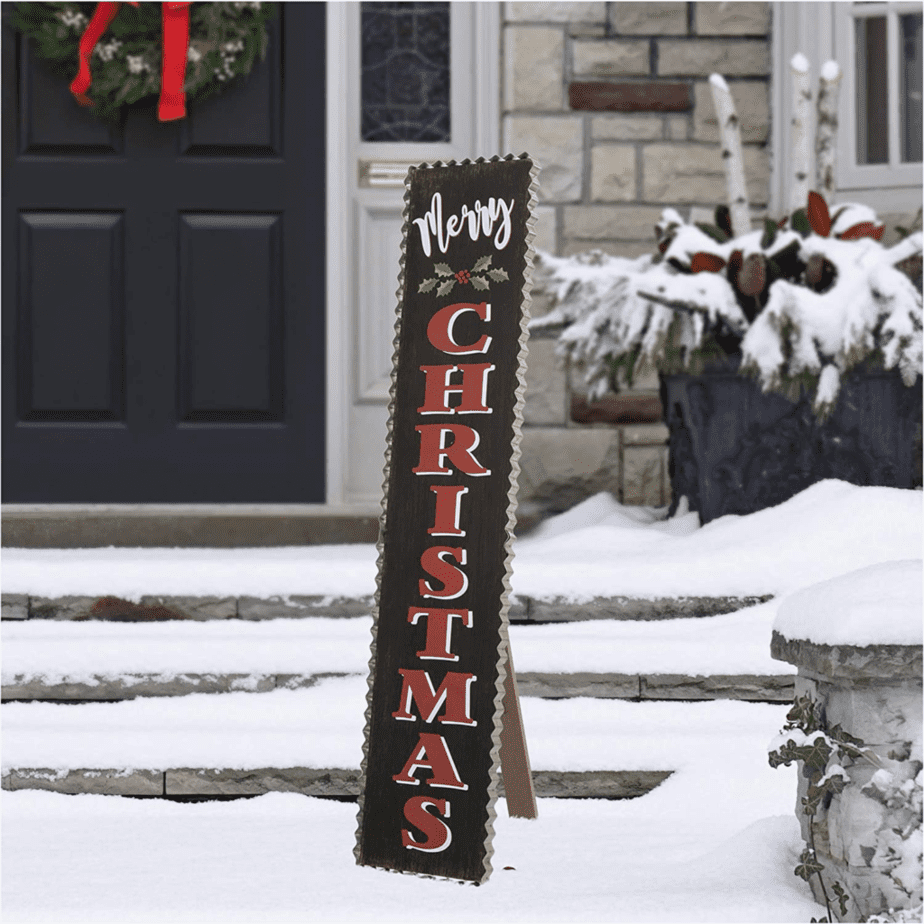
(410, 512)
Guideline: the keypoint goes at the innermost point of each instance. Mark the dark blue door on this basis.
(163, 287)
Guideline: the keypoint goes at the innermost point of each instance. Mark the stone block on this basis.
(744, 687)
(629, 249)
(627, 128)
(641, 96)
(752, 105)
(686, 173)
(751, 18)
(99, 782)
(561, 686)
(702, 57)
(643, 475)
(612, 58)
(546, 385)
(881, 714)
(533, 68)
(298, 606)
(677, 128)
(596, 784)
(624, 408)
(14, 606)
(311, 782)
(60, 607)
(561, 467)
(611, 222)
(650, 18)
(653, 434)
(546, 229)
(557, 142)
(197, 608)
(612, 173)
(578, 11)
(634, 608)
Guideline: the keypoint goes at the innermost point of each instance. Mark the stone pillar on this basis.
(869, 836)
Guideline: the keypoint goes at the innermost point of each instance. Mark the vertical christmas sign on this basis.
(442, 715)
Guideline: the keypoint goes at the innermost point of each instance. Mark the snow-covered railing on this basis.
(856, 641)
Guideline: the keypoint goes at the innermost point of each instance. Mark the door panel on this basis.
(163, 309)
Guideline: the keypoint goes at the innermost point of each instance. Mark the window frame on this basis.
(850, 174)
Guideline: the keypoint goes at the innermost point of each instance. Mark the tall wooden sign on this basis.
(442, 709)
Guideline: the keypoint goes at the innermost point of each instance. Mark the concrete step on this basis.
(155, 608)
(186, 781)
(106, 688)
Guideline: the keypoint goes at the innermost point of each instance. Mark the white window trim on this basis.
(850, 174)
(482, 55)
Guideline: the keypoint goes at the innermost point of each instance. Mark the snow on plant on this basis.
(802, 301)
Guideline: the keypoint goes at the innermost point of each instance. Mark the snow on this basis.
(284, 858)
(827, 530)
(57, 652)
(799, 63)
(322, 726)
(881, 604)
(830, 71)
(717, 80)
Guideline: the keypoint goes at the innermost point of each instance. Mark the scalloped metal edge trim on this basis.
(519, 399)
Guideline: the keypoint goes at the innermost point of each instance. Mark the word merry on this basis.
(480, 219)
(446, 449)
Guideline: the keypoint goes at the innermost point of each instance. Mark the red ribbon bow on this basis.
(172, 103)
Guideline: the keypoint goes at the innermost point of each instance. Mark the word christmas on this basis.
(434, 722)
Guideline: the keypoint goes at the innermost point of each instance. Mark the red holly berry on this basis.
(463, 276)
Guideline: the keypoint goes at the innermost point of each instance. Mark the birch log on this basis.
(826, 132)
(732, 158)
(801, 156)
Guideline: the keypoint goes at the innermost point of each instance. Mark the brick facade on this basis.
(613, 100)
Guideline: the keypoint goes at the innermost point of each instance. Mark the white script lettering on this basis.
(479, 219)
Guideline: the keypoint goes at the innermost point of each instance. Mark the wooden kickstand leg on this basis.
(514, 757)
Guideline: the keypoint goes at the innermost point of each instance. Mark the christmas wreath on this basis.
(116, 54)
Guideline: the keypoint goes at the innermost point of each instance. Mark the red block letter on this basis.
(439, 630)
(433, 450)
(448, 510)
(455, 691)
(473, 389)
(453, 579)
(440, 329)
(439, 837)
(431, 753)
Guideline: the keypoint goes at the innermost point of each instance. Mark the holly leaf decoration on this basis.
(479, 282)
(769, 235)
(447, 286)
(818, 215)
(863, 229)
(442, 269)
(482, 264)
(706, 262)
(800, 222)
(498, 274)
(715, 232)
(427, 285)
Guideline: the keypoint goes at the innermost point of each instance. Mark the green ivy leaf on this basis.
(808, 865)
(442, 269)
(838, 890)
(769, 235)
(480, 283)
(446, 287)
(713, 231)
(498, 275)
(482, 264)
(800, 223)
(427, 285)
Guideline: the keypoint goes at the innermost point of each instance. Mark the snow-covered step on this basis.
(698, 658)
(181, 742)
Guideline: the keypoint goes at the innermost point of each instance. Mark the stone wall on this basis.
(613, 100)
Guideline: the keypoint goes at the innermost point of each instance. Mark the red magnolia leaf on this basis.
(752, 278)
(863, 229)
(818, 215)
(706, 262)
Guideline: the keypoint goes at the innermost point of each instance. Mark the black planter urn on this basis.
(734, 449)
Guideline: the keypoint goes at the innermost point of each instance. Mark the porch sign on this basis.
(442, 710)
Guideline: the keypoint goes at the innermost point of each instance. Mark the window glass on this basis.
(405, 72)
(910, 37)
(872, 91)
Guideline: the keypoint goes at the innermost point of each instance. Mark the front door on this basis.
(163, 287)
